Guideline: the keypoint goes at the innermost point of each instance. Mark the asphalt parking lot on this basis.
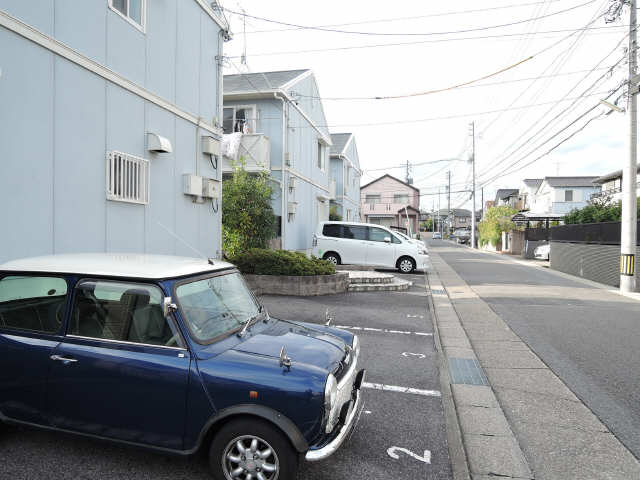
(399, 435)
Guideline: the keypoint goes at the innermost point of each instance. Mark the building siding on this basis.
(58, 121)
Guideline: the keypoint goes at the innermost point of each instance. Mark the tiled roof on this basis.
(503, 193)
(255, 82)
(532, 182)
(339, 141)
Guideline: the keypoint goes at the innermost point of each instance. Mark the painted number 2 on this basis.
(409, 354)
(426, 458)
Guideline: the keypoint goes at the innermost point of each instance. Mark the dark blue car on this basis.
(174, 354)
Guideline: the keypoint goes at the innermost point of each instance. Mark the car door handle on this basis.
(63, 359)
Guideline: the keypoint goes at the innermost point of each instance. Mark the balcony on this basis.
(253, 149)
(385, 209)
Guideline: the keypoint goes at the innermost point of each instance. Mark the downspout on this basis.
(222, 36)
(283, 184)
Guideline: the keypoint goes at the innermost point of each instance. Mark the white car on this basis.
(436, 236)
(415, 241)
(366, 244)
(542, 252)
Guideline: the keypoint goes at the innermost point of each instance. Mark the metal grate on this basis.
(467, 371)
(127, 178)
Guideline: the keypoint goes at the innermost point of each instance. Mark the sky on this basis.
(547, 72)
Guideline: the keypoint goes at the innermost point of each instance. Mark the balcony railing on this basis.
(253, 151)
(606, 193)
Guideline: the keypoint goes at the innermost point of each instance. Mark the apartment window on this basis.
(568, 195)
(127, 178)
(321, 148)
(372, 199)
(132, 11)
(239, 119)
(400, 198)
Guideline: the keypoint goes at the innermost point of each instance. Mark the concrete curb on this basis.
(457, 454)
(481, 442)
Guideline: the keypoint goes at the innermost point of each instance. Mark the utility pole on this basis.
(629, 172)
(439, 228)
(473, 185)
(408, 177)
(448, 199)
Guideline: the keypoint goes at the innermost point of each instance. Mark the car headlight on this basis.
(355, 345)
(330, 392)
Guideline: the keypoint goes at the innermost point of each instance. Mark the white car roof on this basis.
(116, 265)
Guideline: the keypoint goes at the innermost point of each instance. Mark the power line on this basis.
(405, 34)
(416, 17)
(421, 42)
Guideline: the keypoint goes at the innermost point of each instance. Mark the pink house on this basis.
(388, 201)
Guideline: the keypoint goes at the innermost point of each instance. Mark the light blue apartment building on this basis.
(281, 112)
(345, 170)
(105, 105)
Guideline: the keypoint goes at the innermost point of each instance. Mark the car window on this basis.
(395, 239)
(378, 234)
(32, 303)
(355, 232)
(332, 230)
(122, 311)
(215, 306)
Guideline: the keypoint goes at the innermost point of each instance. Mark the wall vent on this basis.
(127, 178)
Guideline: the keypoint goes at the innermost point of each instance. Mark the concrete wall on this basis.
(600, 263)
(58, 120)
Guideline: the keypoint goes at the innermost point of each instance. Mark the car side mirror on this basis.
(387, 239)
(168, 307)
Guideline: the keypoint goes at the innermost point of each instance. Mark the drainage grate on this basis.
(438, 291)
(467, 371)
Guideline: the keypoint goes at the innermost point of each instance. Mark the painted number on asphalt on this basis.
(409, 354)
(414, 316)
(426, 458)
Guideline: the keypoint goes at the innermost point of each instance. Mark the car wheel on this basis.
(252, 449)
(332, 257)
(406, 265)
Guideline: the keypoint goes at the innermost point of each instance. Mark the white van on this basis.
(366, 244)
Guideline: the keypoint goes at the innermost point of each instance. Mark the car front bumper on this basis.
(331, 447)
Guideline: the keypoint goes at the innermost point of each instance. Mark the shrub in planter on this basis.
(260, 261)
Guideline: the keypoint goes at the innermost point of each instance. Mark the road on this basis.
(410, 422)
(589, 337)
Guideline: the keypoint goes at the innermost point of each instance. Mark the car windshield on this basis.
(217, 305)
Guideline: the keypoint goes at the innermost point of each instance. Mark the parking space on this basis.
(402, 416)
(400, 433)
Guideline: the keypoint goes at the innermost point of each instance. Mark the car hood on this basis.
(302, 344)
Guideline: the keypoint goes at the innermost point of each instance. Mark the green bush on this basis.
(334, 216)
(281, 262)
(496, 221)
(597, 211)
(232, 243)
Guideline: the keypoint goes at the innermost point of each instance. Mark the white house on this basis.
(560, 195)
(612, 185)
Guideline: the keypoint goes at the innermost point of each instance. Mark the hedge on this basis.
(281, 262)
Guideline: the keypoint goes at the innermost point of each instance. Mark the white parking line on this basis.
(394, 388)
(384, 330)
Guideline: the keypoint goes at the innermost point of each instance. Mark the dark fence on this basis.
(536, 234)
(605, 233)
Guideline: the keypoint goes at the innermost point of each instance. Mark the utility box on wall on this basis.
(192, 185)
(210, 188)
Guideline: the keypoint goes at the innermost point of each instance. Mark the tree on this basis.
(334, 216)
(598, 210)
(248, 220)
(427, 225)
(496, 221)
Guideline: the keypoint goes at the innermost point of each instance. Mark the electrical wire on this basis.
(421, 42)
(404, 34)
(415, 17)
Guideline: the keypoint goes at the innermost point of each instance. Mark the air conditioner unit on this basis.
(210, 145)
(210, 188)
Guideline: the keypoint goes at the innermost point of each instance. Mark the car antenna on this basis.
(185, 243)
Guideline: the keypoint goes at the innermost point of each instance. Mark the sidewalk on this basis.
(516, 417)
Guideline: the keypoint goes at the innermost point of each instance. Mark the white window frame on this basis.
(570, 192)
(134, 183)
(143, 15)
(322, 153)
(253, 122)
